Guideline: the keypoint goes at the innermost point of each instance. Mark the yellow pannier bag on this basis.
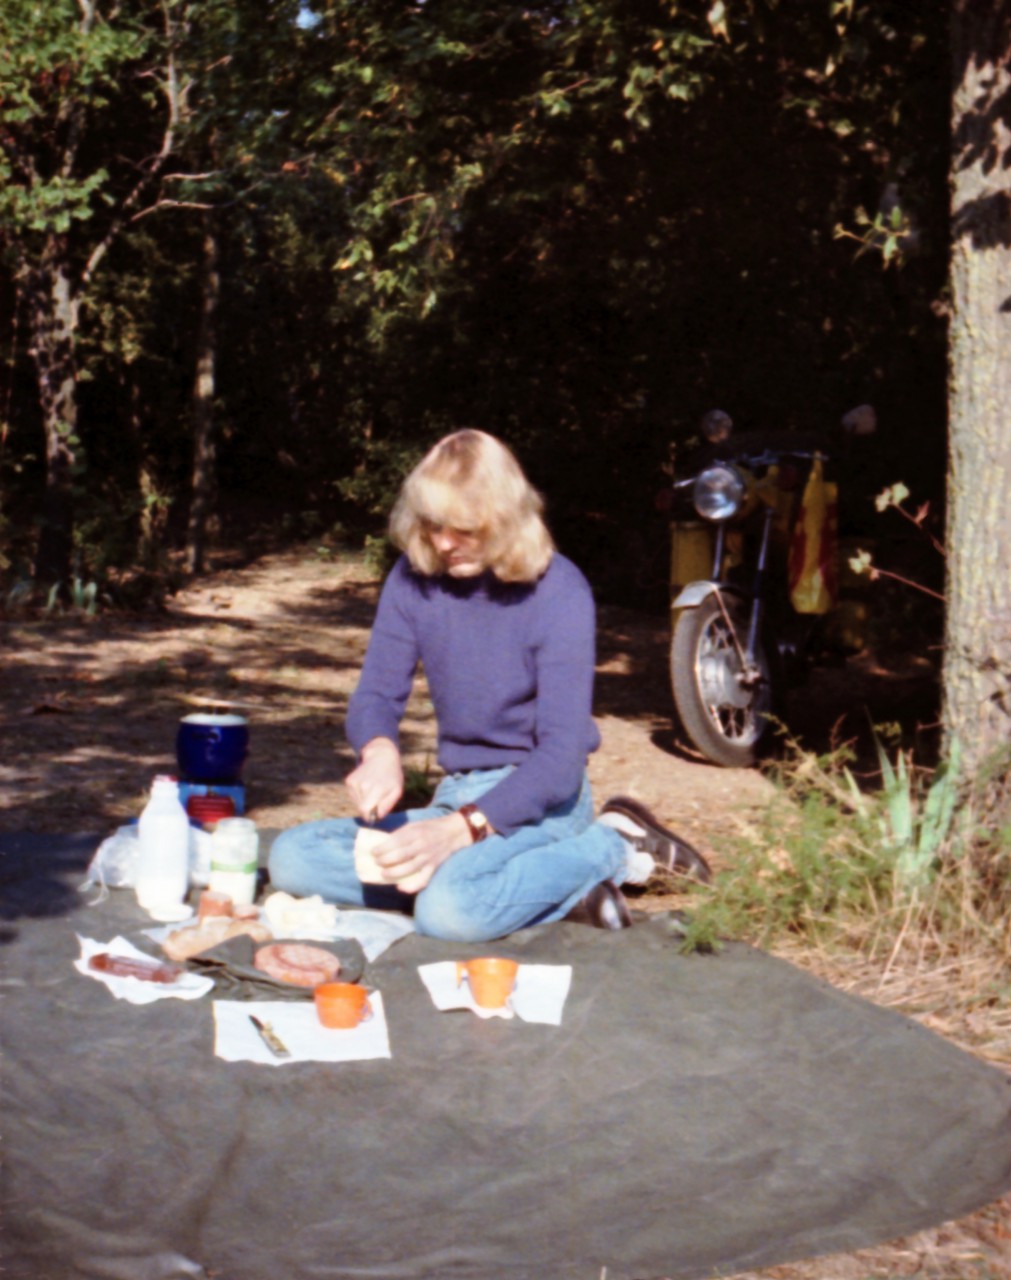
(813, 563)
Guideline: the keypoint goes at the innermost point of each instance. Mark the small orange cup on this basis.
(342, 1005)
(491, 979)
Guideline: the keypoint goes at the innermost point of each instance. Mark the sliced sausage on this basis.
(297, 963)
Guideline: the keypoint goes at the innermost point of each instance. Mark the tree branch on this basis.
(174, 98)
(170, 204)
(192, 177)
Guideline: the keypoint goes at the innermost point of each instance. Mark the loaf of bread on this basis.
(190, 941)
(369, 871)
(367, 868)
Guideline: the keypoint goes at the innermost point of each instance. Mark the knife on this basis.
(270, 1038)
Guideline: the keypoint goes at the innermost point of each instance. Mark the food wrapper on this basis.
(188, 986)
(231, 966)
(311, 919)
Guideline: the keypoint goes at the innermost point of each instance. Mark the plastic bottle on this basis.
(235, 847)
(163, 864)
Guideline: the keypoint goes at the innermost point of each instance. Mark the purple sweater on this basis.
(510, 671)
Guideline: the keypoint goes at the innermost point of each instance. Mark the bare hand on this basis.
(412, 854)
(378, 782)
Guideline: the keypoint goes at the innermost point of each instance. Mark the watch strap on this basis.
(477, 824)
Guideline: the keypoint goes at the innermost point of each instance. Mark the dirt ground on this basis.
(89, 711)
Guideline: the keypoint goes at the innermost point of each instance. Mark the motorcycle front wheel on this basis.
(723, 709)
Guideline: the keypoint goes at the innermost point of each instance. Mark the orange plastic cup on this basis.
(491, 979)
(342, 1005)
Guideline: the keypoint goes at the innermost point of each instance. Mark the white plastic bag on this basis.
(114, 865)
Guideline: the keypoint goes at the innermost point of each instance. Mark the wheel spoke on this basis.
(735, 712)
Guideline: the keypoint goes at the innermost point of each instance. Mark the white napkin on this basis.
(312, 919)
(539, 994)
(298, 1028)
(375, 930)
(188, 986)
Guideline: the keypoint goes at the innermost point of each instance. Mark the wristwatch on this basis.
(477, 823)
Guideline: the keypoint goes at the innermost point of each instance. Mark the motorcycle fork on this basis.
(746, 653)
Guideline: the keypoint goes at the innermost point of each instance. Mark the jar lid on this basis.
(206, 718)
(237, 826)
(210, 808)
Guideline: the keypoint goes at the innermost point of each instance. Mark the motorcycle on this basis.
(755, 579)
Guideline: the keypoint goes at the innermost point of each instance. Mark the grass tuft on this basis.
(916, 867)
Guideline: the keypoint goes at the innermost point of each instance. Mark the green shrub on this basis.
(845, 866)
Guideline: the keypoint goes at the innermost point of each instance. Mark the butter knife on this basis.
(270, 1038)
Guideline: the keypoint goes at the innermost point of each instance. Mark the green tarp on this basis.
(691, 1116)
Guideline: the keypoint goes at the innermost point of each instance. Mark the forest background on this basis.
(258, 254)
(335, 232)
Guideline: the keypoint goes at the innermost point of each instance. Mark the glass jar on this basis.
(235, 849)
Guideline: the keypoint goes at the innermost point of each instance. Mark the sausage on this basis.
(129, 967)
(297, 963)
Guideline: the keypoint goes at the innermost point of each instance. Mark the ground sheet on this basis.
(690, 1116)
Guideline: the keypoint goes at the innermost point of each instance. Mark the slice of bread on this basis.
(366, 867)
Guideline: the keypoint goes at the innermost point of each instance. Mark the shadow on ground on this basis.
(90, 708)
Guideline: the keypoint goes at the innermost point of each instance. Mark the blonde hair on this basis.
(471, 481)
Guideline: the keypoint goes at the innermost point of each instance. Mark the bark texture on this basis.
(204, 443)
(52, 318)
(977, 673)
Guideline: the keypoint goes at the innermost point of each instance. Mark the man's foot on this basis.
(604, 907)
(640, 829)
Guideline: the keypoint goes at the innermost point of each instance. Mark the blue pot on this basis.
(212, 748)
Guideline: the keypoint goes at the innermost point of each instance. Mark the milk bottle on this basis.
(164, 857)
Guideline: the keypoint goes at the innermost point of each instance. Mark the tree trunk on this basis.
(977, 667)
(151, 518)
(204, 445)
(52, 318)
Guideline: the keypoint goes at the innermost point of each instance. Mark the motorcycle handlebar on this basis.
(763, 448)
(756, 443)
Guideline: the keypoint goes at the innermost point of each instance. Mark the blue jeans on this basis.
(485, 891)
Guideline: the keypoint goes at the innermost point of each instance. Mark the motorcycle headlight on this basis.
(719, 492)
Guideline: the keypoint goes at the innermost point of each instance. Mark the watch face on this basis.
(476, 820)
